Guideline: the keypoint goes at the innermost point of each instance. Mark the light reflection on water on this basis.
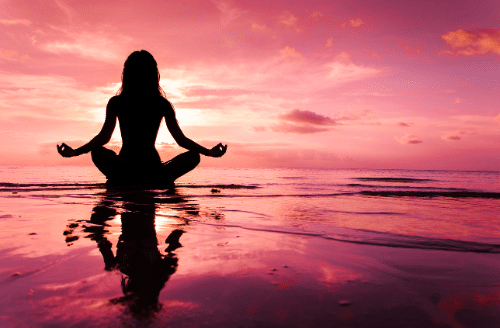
(270, 230)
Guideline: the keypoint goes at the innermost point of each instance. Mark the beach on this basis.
(251, 248)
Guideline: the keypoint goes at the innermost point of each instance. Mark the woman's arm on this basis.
(99, 140)
(189, 144)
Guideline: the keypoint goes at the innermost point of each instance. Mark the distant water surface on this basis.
(445, 210)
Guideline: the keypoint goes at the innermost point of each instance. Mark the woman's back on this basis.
(140, 118)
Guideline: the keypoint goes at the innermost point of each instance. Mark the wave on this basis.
(376, 238)
(214, 190)
(14, 187)
(360, 185)
(387, 179)
(431, 194)
(219, 186)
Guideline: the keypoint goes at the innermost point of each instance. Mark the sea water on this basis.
(444, 210)
(259, 248)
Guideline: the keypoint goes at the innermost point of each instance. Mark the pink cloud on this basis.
(279, 154)
(258, 27)
(355, 22)
(297, 128)
(316, 14)
(343, 57)
(472, 43)
(457, 135)
(95, 45)
(288, 19)
(307, 117)
(229, 12)
(411, 51)
(200, 91)
(303, 122)
(353, 116)
(259, 128)
(9, 22)
(409, 139)
(329, 42)
(289, 52)
(14, 55)
(403, 124)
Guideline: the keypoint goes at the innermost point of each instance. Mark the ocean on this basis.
(51, 215)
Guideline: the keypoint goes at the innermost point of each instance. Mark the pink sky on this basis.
(330, 84)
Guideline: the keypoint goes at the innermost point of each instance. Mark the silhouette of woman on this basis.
(140, 105)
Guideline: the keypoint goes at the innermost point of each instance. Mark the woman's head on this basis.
(140, 75)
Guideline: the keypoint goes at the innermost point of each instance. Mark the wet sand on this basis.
(65, 256)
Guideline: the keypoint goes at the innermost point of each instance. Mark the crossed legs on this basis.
(117, 169)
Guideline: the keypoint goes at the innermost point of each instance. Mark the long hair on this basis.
(140, 75)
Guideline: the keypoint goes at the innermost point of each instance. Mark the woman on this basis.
(140, 105)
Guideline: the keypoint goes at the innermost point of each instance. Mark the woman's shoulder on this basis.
(114, 101)
(166, 107)
(164, 101)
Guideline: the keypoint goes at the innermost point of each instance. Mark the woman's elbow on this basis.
(182, 142)
(101, 140)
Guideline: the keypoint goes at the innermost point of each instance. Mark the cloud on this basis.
(472, 43)
(279, 154)
(258, 128)
(329, 42)
(353, 116)
(404, 124)
(14, 55)
(303, 122)
(50, 96)
(10, 22)
(457, 135)
(297, 128)
(258, 27)
(307, 117)
(497, 118)
(409, 139)
(356, 22)
(343, 57)
(288, 19)
(228, 12)
(316, 14)
(411, 51)
(95, 45)
(274, 76)
(289, 52)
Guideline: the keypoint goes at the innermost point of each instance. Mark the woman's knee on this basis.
(101, 153)
(105, 160)
(194, 157)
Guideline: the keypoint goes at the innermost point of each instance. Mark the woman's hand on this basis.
(66, 151)
(218, 150)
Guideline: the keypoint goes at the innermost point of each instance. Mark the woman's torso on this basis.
(140, 119)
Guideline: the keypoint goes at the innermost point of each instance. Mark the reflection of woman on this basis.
(140, 107)
(146, 270)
